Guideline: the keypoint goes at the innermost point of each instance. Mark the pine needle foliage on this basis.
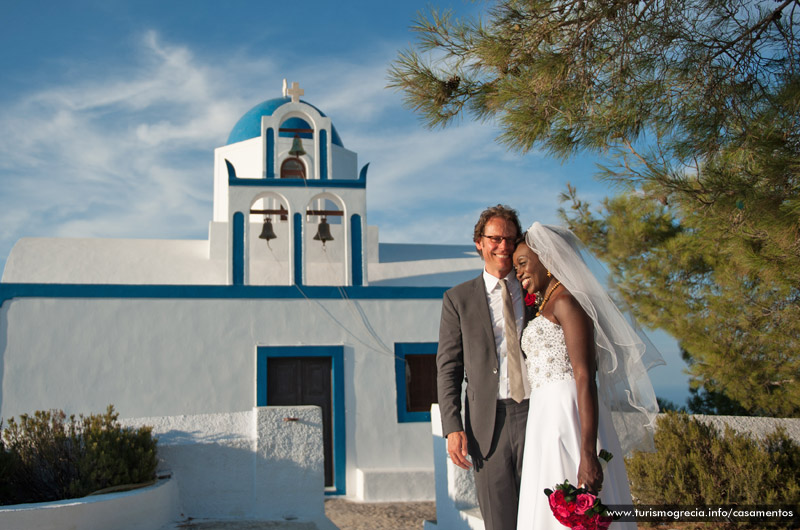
(586, 74)
(694, 106)
(697, 464)
(49, 457)
(739, 329)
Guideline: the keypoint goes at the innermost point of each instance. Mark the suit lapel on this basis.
(483, 315)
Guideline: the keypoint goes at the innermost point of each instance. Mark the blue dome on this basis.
(249, 125)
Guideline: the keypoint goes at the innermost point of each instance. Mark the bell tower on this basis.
(289, 203)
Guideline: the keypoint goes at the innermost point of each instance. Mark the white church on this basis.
(291, 301)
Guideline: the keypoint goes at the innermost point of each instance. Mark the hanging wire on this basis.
(358, 312)
(381, 348)
(377, 345)
(385, 351)
(275, 257)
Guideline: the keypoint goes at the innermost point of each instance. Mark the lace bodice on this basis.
(546, 351)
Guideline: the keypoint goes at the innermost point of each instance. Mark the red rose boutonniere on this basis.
(530, 299)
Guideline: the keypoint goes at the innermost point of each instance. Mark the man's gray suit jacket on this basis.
(467, 348)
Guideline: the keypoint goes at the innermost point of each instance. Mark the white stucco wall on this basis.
(149, 508)
(344, 163)
(151, 357)
(245, 465)
(115, 261)
(246, 159)
(204, 262)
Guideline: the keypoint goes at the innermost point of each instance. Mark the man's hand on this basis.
(457, 449)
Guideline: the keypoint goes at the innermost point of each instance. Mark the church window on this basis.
(415, 373)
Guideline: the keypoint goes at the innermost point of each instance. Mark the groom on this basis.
(482, 320)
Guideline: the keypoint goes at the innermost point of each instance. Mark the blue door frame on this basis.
(336, 354)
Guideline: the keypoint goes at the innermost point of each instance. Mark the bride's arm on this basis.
(579, 337)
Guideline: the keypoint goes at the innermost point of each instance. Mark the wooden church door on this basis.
(304, 381)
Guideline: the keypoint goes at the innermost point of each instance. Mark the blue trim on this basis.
(299, 183)
(401, 349)
(336, 353)
(189, 292)
(270, 154)
(231, 169)
(323, 154)
(298, 249)
(238, 248)
(356, 257)
(323, 182)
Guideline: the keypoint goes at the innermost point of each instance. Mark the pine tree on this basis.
(739, 332)
(695, 105)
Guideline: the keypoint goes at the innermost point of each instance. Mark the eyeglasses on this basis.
(498, 239)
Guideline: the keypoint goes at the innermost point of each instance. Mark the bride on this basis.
(578, 332)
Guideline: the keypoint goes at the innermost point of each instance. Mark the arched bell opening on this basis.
(296, 147)
(269, 241)
(325, 241)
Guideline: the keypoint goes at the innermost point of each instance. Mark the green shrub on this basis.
(695, 464)
(46, 457)
(8, 464)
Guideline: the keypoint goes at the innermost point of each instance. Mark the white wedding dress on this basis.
(552, 438)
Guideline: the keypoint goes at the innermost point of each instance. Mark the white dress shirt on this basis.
(494, 296)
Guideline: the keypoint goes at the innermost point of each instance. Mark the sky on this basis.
(110, 111)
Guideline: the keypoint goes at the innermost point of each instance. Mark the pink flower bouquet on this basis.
(578, 509)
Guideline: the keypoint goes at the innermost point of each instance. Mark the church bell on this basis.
(297, 147)
(267, 233)
(323, 232)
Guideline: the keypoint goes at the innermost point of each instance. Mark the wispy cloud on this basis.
(117, 155)
(127, 152)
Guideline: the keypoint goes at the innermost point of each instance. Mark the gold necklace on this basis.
(547, 297)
